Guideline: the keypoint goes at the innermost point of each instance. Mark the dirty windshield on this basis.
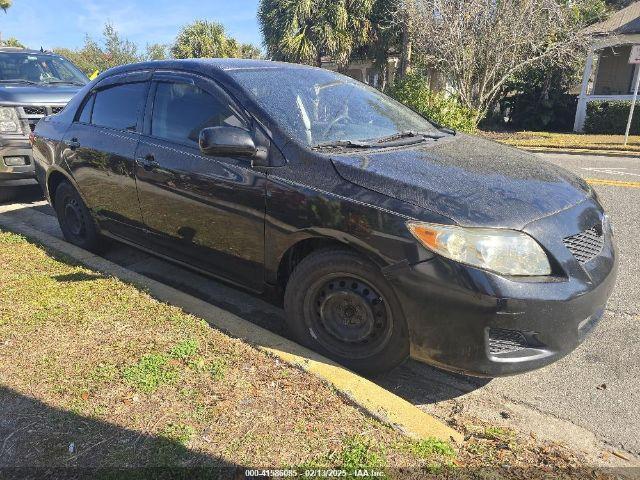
(320, 107)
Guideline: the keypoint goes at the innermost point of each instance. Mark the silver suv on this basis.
(33, 84)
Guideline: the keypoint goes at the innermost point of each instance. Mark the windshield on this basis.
(318, 107)
(36, 68)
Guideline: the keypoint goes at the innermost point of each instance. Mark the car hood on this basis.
(471, 180)
(18, 94)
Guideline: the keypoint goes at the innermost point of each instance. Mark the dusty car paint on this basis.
(242, 223)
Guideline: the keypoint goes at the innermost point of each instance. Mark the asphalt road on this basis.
(590, 399)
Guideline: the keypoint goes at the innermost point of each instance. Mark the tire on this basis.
(76, 222)
(341, 306)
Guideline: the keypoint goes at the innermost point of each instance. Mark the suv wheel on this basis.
(340, 305)
(76, 223)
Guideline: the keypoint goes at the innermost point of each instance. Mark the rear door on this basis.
(100, 152)
(202, 210)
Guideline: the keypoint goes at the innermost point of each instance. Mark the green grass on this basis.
(217, 368)
(357, 457)
(151, 371)
(178, 432)
(184, 350)
(430, 447)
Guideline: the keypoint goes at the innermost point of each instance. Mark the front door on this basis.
(101, 145)
(204, 211)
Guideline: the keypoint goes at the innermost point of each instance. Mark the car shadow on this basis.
(25, 194)
(422, 384)
(78, 277)
(41, 441)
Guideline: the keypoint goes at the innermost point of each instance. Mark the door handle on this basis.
(148, 162)
(73, 143)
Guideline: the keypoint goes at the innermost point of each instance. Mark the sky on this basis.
(65, 23)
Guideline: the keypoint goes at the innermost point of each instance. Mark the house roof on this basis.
(623, 22)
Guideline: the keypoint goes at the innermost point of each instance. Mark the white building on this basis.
(607, 73)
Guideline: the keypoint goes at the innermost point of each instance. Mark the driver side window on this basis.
(182, 110)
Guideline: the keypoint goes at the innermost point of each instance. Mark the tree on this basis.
(112, 51)
(5, 4)
(156, 51)
(537, 97)
(12, 42)
(481, 44)
(303, 31)
(204, 39)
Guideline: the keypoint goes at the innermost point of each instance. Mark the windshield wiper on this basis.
(410, 134)
(18, 80)
(344, 144)
(66, 82)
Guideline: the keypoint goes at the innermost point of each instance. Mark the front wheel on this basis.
(340, 305)
(76, 222)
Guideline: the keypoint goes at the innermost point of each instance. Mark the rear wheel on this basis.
(340, 305)
(76, 222)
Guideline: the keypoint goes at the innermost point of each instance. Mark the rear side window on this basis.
(182, 110)
(85, 114)
(118, 106)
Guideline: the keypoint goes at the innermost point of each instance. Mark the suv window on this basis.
(118, 106)
(181, 111)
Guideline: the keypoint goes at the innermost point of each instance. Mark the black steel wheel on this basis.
(76, 223)
(340, 305)
(349, 317)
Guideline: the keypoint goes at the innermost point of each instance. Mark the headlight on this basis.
(9, 122)
(508, 252)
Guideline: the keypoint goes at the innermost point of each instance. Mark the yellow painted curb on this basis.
(369, 397)
(612, 183)
(380, 403)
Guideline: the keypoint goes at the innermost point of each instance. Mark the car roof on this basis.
(209, 65)
(24, 50)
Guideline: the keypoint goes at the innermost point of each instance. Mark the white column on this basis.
(581, 112)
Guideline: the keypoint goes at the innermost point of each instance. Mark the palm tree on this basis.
(303, 31)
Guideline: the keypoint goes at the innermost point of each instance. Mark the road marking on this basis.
(612, 183)
(611, 171)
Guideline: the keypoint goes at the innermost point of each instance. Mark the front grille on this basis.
(31, 114)
(39, 110)
(506, 341)
(586, 245)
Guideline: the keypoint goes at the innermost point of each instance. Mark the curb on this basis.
(364, 394)
(581, 151)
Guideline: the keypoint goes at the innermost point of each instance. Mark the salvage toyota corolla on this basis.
(384, 234)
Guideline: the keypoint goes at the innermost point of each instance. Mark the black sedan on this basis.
(384, 234)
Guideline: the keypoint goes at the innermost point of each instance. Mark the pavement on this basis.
(589, 400)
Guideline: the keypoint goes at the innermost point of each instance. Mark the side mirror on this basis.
(227, 142)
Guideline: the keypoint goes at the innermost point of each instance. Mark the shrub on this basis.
(611, 117)
(413, 91)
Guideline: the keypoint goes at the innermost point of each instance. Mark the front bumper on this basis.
(478, 323)
(16, 176)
